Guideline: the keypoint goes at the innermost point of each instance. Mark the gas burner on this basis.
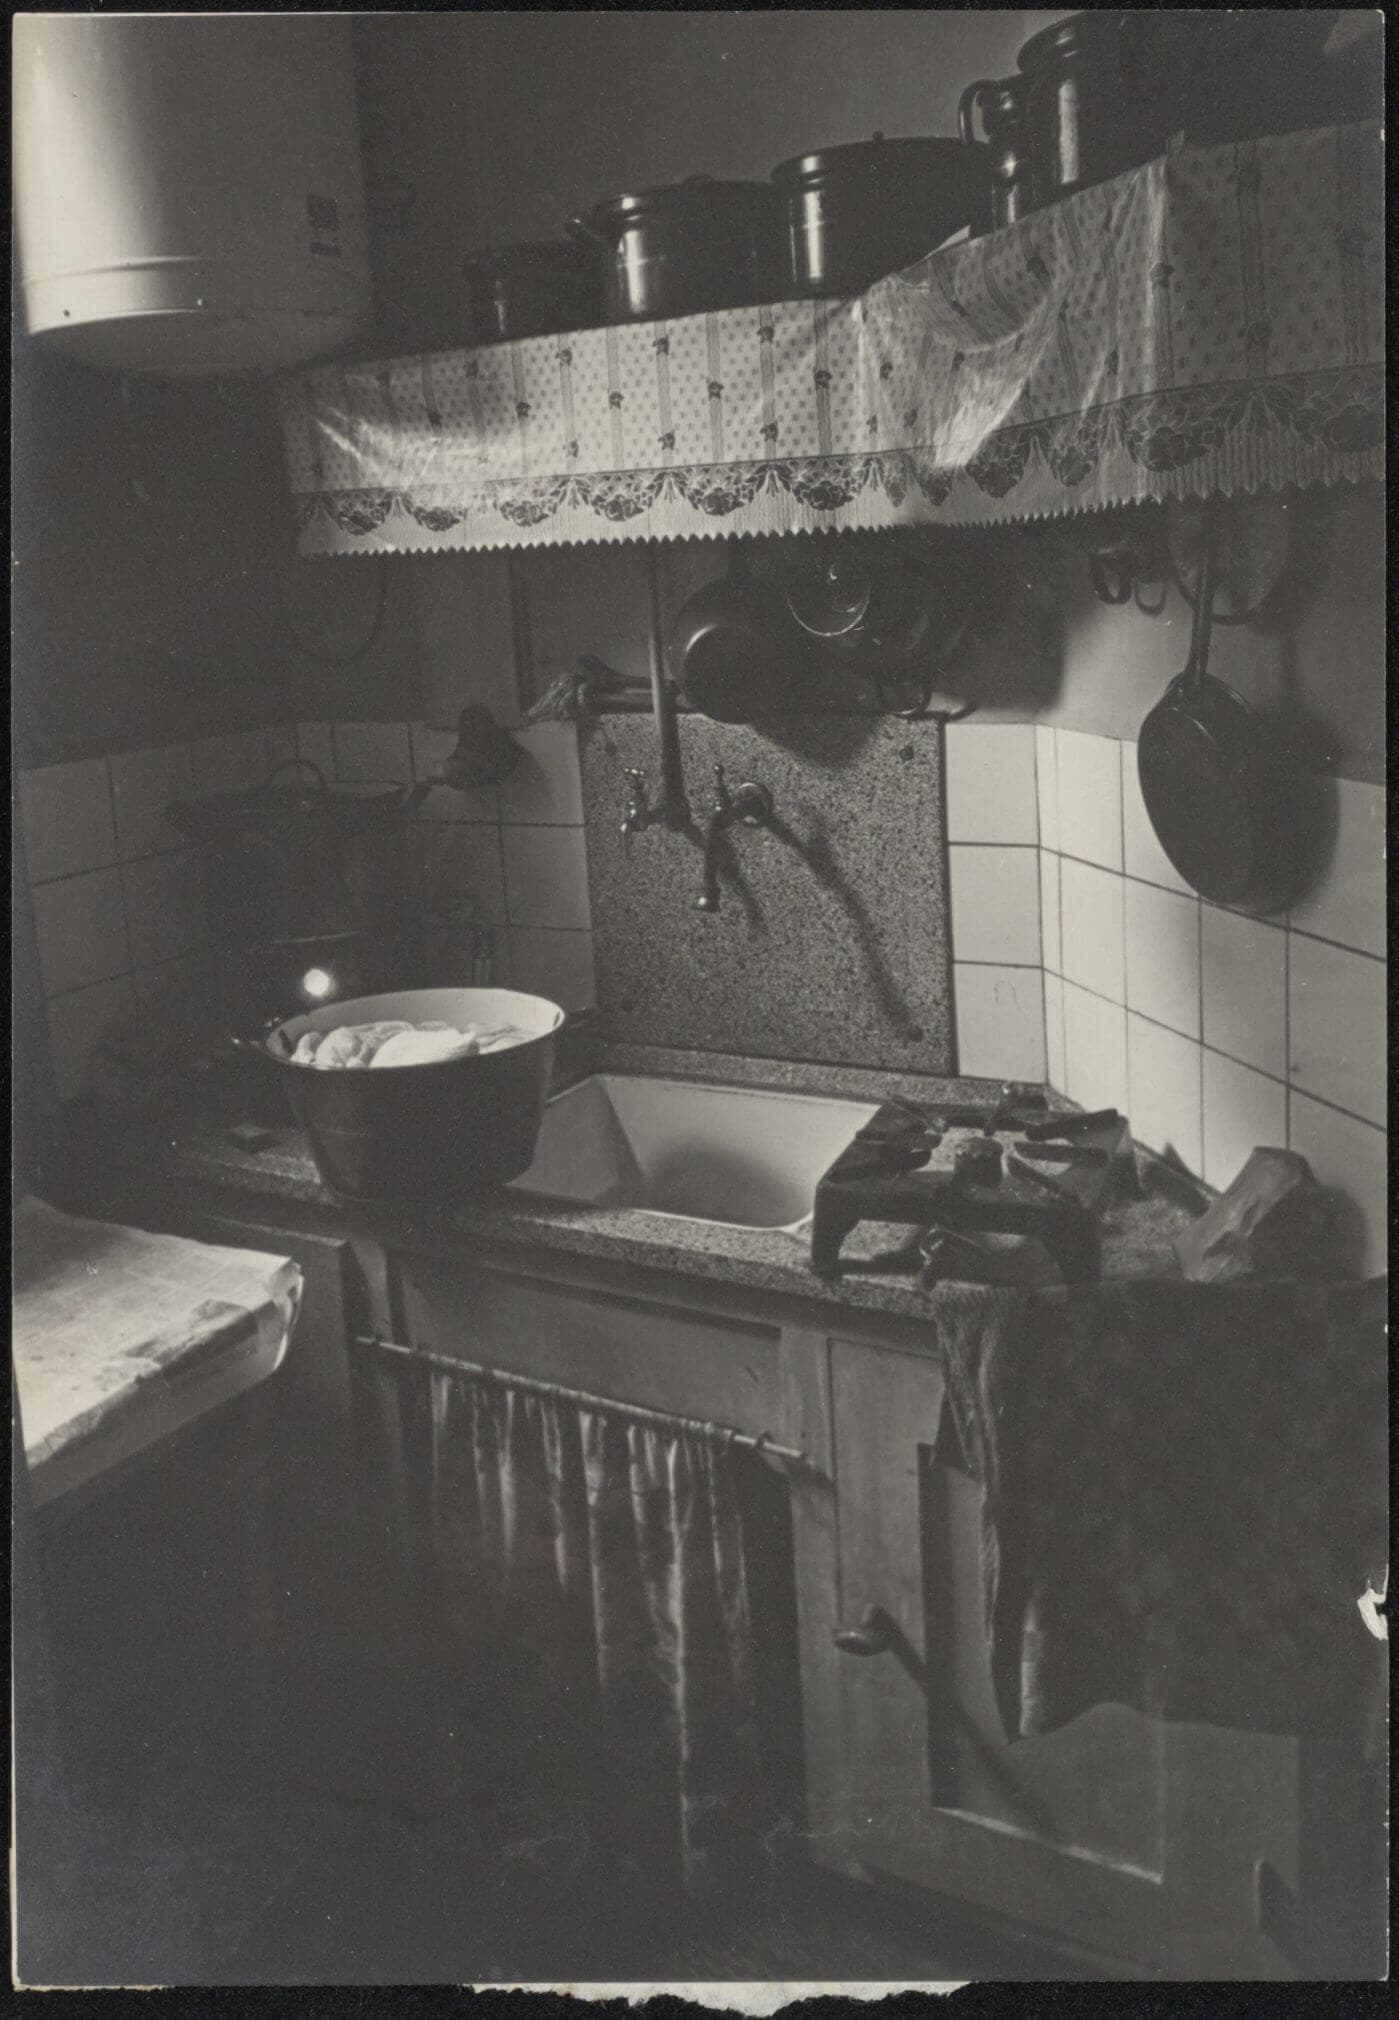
(1008, 1167)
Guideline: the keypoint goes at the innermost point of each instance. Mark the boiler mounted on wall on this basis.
(188, 195)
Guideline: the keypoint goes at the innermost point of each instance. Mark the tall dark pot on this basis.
(683, 249)
(533, 290)
(1083, 120)
(852, 214)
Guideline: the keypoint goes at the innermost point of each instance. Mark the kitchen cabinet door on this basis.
(1123, 1838)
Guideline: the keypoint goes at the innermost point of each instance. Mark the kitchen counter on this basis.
(192, 1148)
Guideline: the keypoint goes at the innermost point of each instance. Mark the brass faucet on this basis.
(751, 805)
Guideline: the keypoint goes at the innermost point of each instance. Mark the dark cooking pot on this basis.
(853, 214)
(533, 290)
(1087, 115)
(683, 249)
(734, 651)
(278, 855)
(418, 1132)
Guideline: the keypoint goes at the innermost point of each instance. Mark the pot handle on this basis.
(579, 228)
(257, 1046)
(966, 109)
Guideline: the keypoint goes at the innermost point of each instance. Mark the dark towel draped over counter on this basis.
(1185, 1494)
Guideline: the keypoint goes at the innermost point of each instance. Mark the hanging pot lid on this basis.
(833, 599)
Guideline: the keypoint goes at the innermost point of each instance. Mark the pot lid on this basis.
(878, 156)
(1096, 31)
(696, 193)
(544, 252)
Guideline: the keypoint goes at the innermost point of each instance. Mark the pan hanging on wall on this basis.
(1222, 786)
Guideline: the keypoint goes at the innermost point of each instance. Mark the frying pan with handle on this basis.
(1215, 777)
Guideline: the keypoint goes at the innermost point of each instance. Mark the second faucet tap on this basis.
(750, 806)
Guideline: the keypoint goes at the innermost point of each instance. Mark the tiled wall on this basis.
(118, 898)
(1214, 1029)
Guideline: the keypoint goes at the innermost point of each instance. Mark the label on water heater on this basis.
(323, 218)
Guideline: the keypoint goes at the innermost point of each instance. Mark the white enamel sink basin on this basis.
(727, 1156)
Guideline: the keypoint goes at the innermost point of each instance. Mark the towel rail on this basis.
(787, 1455)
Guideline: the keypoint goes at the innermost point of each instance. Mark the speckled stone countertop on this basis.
(193, 1148)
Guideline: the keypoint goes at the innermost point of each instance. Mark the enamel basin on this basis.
(727, 1156)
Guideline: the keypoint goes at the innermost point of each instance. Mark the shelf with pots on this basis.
(1210, 322)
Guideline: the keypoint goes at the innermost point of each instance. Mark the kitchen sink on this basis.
(727, 1156)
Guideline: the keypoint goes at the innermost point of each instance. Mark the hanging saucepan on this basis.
(734, 651)
(1216, 778)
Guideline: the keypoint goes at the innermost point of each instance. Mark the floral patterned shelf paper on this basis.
(1211, 322)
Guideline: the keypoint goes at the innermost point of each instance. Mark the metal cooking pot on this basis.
(852, 214)
(533, 290)
(1083, 120)
(683, 249)
(420, 1132)
(278, 854)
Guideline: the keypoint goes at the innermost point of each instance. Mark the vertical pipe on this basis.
(673, 808)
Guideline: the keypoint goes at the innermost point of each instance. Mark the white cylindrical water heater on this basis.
(188, 198)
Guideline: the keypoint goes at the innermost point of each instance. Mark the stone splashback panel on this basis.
(831, 943)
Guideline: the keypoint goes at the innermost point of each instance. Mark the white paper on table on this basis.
(121, 1338)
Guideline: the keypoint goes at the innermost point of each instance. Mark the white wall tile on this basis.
(1143, 855)
(66, 814)
(995, 904)
(464, 861)
(1090, 797)
(165, 914)
(1054, 1033)
(991, 789)
(1051, 936)
(1163, 957)
(229, 764)
(1349, 903)
(81, 927)
(1000, 1022)
(1243, 1112)
(1095, 1051)
(1091, 902)
(555, 964)
(546, 877)
(144, 782)
(431, 750)
(1047, 784)
(373, 750)
(546, 787)
(1351, 1159)
(76, 1022)
(1338, 1026)
(1163, 1091)
(315, 741)
(1245, 988)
